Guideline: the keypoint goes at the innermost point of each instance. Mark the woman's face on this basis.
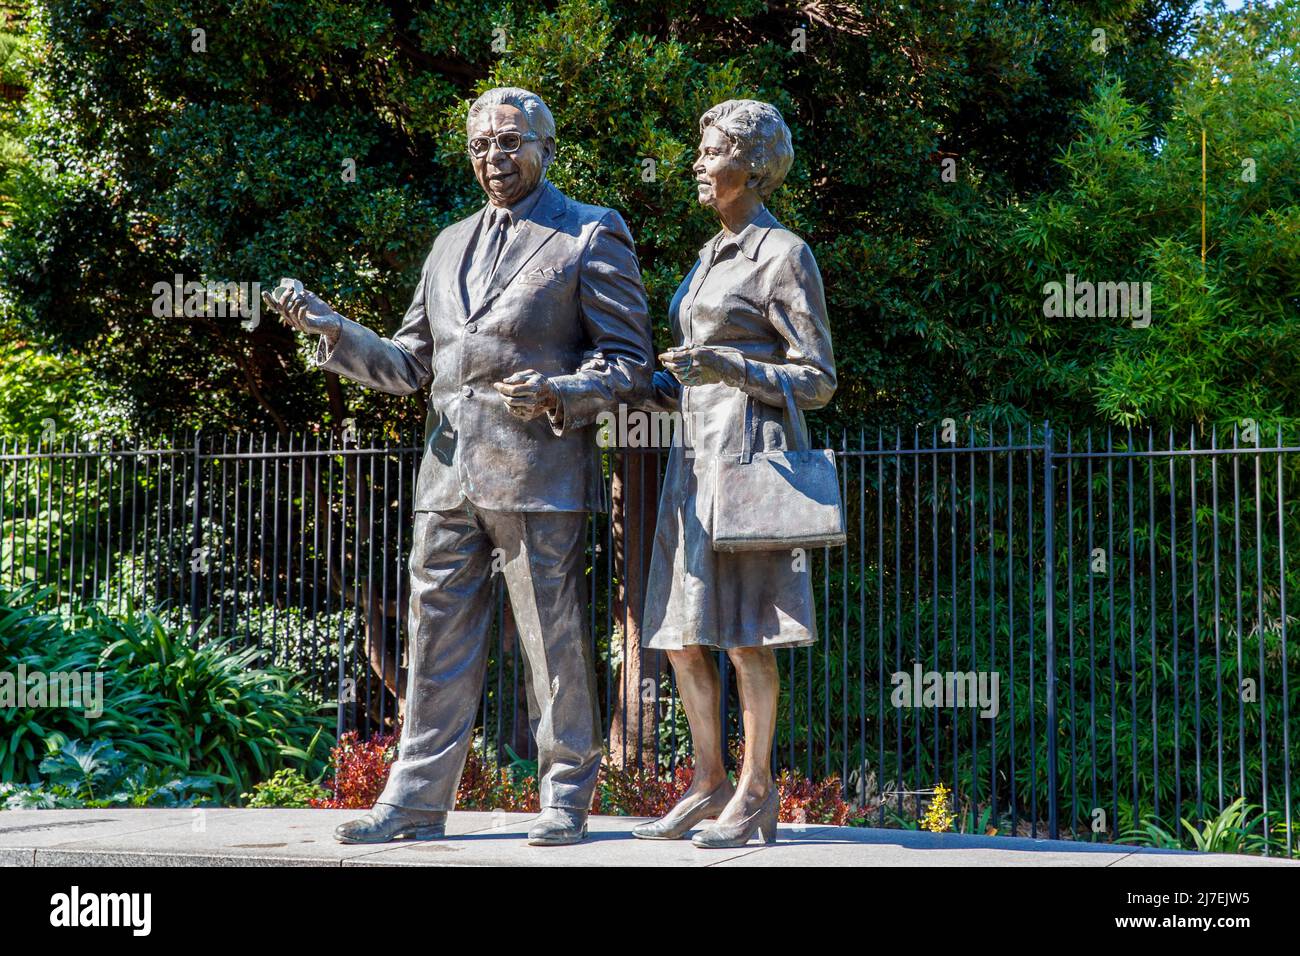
(722, 177)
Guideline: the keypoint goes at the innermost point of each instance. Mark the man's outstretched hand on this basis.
(304, 310)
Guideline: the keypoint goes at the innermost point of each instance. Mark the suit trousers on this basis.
(454, 560)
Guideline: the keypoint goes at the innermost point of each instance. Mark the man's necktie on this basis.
(488, 255)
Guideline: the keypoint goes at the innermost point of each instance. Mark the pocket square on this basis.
(544, 274)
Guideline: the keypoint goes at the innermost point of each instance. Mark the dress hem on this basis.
(660, 643)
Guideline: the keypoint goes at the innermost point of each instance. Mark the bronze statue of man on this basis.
(528, 321)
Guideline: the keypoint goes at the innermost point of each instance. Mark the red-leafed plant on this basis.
(360, 771)
(811, 801)
(804, 800)
(485, 786)
(638, 793)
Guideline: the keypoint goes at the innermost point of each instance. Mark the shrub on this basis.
(362, 767)
(288, 788)
(360, 771)
(96, 774)
(38, 641)
(629, 791)
(487, 786)
(639, 793)
(209, 700)
(1241, 828)
(176, 701)
(811, 801)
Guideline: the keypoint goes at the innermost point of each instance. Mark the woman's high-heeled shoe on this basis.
(673, 825)
(737, 834)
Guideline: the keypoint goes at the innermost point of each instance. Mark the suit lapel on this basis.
(460, 245)
(530, 235)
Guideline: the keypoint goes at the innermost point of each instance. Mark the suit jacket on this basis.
(567, 301)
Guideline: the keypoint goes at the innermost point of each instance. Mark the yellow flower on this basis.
(937, 819)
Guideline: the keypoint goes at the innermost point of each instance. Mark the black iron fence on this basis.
(1075, 633)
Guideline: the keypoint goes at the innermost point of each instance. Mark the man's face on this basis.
(508, 177)
(721, 177)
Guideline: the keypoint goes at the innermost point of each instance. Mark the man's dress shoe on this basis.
(385, 823)
(558, 827)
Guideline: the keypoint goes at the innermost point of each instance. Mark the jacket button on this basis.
(466, 391)
(471, 327)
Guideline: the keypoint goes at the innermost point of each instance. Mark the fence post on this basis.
(196, 546)
(1049, 587)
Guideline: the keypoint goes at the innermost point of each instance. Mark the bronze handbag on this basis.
(777, 500)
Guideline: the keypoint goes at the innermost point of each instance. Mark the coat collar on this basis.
(748, 240)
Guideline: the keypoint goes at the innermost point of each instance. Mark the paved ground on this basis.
(302, 838)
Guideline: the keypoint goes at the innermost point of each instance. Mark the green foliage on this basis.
(1241, 828)
(79, 774)
(154, 159)
(40, 642)
(109, 530)
(519, 768)
(37, 386)
(210, 700)
(1223, 340)
(172, 700)
(1232, 831)
(898, 819)
(288, 788)
(14, 80)
(1173, 681)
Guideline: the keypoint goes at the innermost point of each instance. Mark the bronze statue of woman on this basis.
(750, 324)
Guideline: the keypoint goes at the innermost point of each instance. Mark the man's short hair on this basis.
(540, 120)
(760, 135)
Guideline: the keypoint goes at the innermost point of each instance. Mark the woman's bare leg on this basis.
(700, 688)
(760, 687)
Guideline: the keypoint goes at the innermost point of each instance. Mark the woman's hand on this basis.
(704, 365)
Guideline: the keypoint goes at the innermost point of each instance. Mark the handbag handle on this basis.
(801, 440)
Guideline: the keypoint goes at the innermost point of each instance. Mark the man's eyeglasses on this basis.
(507, 142)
